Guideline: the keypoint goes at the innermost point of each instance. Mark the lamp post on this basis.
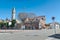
(53, 19)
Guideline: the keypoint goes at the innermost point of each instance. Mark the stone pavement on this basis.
(28, 34)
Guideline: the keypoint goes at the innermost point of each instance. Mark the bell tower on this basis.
(13, 14)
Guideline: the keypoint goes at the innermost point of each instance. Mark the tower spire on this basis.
(13, 13)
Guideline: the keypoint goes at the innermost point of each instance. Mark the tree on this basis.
(23, 16)
(1, 25)
(13, 23)
(31, 15)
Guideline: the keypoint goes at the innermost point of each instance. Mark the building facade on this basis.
(36, 22)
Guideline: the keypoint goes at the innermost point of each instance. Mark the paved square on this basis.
(28, 35)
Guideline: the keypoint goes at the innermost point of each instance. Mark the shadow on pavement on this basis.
(55, 36)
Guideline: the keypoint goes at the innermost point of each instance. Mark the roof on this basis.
(55, 23)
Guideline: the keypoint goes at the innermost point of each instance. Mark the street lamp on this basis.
(53, 18)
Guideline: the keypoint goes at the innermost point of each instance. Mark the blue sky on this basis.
(48, 8)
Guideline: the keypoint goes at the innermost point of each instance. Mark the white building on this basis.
(56, 25)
